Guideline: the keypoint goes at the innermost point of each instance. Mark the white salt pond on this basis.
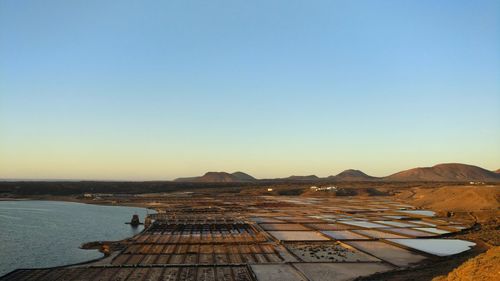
(433, 230)
(438, 247)
(419, 212)
(363, 224)
(425, 223)
(396, 223)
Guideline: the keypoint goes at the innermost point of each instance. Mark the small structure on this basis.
(135, 221)
(269, 189)
(476, 183)
(324, 188)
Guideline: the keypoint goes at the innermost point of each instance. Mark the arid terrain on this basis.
(476, 206)
(277, 216)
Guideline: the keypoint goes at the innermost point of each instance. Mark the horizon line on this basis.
(172, 180)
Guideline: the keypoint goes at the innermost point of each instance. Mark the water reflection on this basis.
(51, 233)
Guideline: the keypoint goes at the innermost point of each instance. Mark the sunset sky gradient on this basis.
(151, 90)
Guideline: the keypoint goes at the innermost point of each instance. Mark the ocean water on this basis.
(48, 233)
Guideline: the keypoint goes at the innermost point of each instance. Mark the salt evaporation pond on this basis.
(438, 247)
(419, 212)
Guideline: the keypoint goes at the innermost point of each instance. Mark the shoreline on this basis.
(74, 199)
(481, 218)
(84, 245)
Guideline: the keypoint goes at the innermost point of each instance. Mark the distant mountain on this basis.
(243, 176)
(302, 178)
(219, 177)
(446, 172)
(353, 175)
(442, 172)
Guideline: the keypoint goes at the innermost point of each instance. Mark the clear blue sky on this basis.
(163, 89)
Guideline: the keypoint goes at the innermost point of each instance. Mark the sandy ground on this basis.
(454, 198)
(484, 267)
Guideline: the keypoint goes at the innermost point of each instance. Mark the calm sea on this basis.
(49, 233)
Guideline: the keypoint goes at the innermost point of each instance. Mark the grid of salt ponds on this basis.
(381, 228)
(276, 238)
(177, 273)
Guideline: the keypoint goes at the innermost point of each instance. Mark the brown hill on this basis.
(481, 268)
(219, 177)
(453, 172)
(446, 172)
(352, 175)
(243, 176)
(303, 178)
(497, 171)
(457, 198)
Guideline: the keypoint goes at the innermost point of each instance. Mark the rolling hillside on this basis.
(446, 172)
(219, 177)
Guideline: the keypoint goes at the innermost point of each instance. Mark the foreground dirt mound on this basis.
(457, 198)
(481, 268)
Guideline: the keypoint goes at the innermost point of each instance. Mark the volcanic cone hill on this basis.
(219, 177)
(303, 178)
(446, 172)
(352, 175)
